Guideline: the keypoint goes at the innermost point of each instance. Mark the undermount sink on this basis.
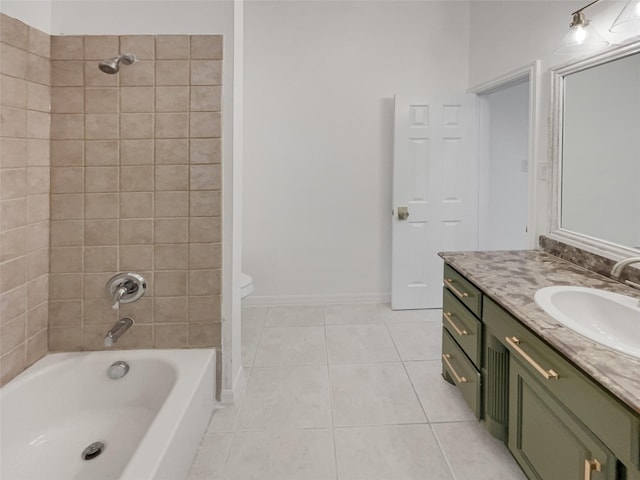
(604, 317)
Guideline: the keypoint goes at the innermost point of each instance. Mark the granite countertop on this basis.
(511, 279)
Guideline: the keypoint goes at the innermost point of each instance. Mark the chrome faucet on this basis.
(121, 326)
(619, 267)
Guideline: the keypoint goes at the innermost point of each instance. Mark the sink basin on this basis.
(604, 317)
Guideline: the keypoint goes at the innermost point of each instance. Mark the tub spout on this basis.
(121, 326)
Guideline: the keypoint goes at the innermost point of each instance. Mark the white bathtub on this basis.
(151, 421)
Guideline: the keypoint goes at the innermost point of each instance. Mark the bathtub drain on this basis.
(92, 451)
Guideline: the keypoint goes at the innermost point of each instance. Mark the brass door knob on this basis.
(403, 213)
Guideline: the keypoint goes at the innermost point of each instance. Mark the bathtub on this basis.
(151, 421)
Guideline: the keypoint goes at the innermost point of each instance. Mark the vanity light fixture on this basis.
(581, 37)
(628, 21)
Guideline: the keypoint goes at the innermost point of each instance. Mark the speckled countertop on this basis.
(511, 279)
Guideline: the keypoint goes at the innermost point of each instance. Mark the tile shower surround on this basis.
(135, 184)
(24, 195)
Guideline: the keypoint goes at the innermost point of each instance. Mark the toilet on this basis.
(246, 285)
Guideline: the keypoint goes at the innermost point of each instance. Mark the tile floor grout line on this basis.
(255, 353)
(415, 391)
(444, 454)
(332, 419)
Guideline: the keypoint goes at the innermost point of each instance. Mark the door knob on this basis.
(403, 213)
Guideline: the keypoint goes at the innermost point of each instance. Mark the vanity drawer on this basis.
(463, 326)
(461, 371)
(464, 290)
(609, 420)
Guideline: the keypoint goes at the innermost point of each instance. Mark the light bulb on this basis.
(580, 35)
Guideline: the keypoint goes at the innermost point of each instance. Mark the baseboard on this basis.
(259, 301)
(230, 397)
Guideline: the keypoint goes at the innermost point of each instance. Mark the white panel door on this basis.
(435, 178)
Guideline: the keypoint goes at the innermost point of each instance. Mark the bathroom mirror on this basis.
(596, 151)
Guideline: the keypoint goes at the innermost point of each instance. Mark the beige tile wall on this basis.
(24, 195)
(136, 186)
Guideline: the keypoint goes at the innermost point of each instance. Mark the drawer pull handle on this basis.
(447, 316)
(590, 466)
(515, 344)
(449, 283)
(446, 357)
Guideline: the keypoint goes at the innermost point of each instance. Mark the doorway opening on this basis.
(506, 163)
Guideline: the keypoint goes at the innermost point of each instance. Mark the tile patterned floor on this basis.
(347, 392)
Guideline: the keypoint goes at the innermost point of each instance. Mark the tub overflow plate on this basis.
(92, 451)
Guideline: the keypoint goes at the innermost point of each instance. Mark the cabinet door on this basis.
(546, 440)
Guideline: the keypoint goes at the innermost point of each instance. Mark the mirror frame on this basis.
(596, 245)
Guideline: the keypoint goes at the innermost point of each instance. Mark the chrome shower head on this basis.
(112, 65)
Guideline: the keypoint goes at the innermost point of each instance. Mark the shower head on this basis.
(112, 65)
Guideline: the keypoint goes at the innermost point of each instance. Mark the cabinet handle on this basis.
(447, 316)
(515, 344)
(590, 466)
(449, 283)
(446, 357)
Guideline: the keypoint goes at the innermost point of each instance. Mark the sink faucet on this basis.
(619, 267)
(121, 326)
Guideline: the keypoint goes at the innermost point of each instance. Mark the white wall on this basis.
(504, 222)
(507, 35)
(319, 83)
(34, 13)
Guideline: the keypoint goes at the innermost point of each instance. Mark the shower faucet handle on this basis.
(126, 288)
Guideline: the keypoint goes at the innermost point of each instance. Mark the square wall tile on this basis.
(67, 47)
(101, 100)
(171, 47)
(172, 177)
(136, 125)
(206, 72)
(101, 205)
(136, 205)
(142, 45)
(67, 73)
(137, 99)
(136, 257)
(172, 99)
(173, 151)
(67, 180)
(136, 152)
(140, 74)
(170, 309)
(171, 257)
(172, 125)
(14, 32)
(101, 153)
(171, 230)
(99, 47)
(206, 47)
(67, 207)
(172, 72)
(101, 179)
(100, 232)
(100, 259)
(102, 126)
(172, 204)
(170, 335)
(67, 153)
(205, 150)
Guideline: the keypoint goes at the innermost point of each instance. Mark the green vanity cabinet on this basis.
(462, 338)
(557, 422)
(546, 440)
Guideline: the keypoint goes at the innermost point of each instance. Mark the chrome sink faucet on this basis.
(121, 326)
(619, 267)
